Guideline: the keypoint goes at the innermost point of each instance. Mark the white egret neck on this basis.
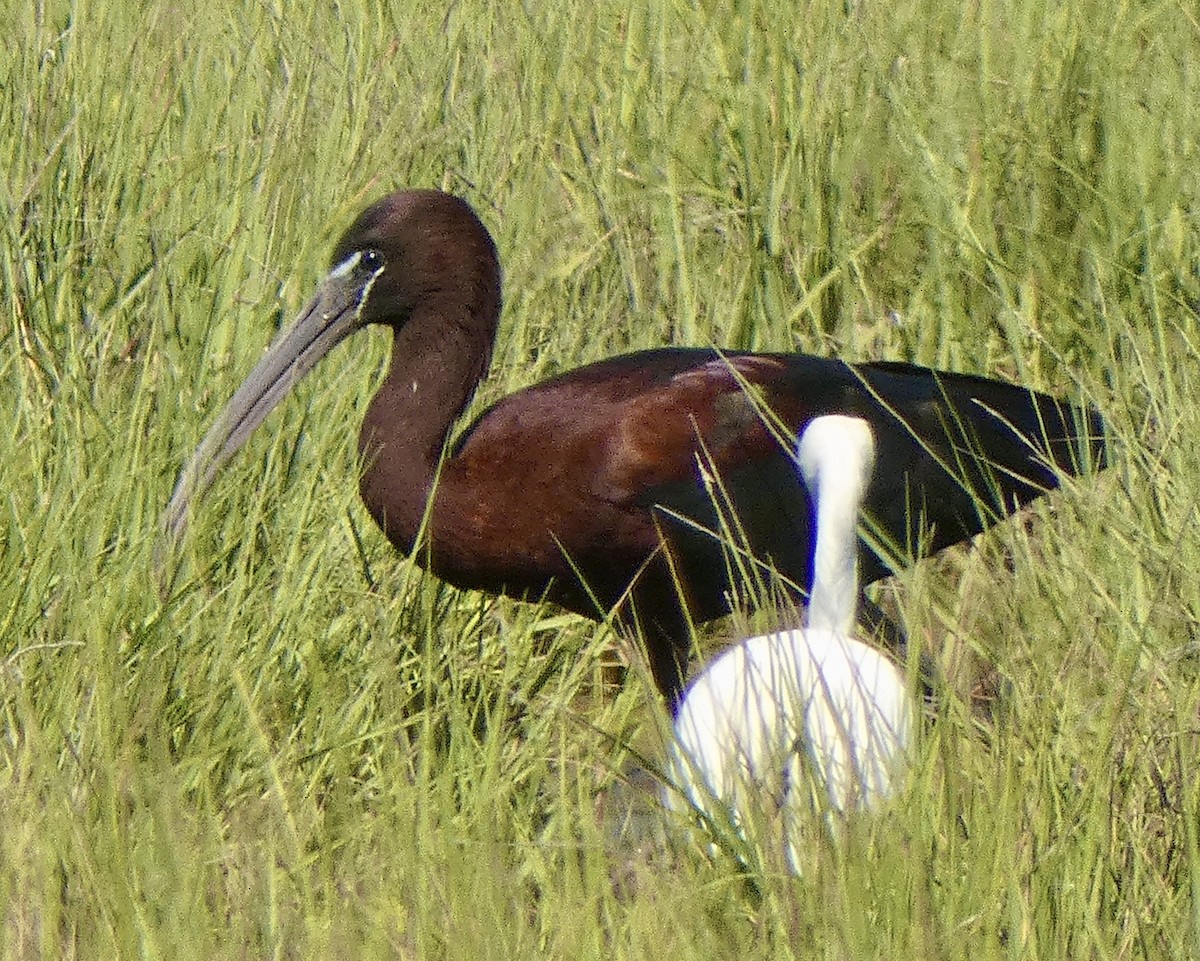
(836, 457)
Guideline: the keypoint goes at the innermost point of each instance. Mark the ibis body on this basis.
(605, 488)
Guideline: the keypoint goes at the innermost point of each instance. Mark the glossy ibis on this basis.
(776, 715)
(595, 489)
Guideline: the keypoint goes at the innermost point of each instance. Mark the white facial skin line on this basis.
(366, 291)
(347, 265)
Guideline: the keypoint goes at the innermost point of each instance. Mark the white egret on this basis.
(781, 720)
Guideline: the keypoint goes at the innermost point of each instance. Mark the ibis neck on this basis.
(438, 359)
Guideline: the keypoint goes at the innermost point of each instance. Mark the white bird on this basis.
(781, 719)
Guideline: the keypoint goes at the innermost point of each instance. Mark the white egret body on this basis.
(780, 719)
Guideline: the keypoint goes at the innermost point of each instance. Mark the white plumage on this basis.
(779, 720)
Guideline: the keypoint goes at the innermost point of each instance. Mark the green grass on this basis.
(306, 748)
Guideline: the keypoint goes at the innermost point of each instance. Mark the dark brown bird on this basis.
(606, 487)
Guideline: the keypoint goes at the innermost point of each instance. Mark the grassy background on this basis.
(306, 748)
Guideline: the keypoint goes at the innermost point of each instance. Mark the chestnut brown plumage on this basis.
(590, 488)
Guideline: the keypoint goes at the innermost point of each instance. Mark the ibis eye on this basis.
(372, 260)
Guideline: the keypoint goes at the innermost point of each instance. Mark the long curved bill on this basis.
(334, 313)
